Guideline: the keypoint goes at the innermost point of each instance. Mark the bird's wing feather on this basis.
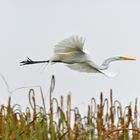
(90, 68)
(108, 73)
(71, 44)
(83, 67)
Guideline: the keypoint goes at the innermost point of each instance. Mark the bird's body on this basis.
(71, 52)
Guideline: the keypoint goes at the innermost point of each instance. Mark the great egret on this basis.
(70, 51)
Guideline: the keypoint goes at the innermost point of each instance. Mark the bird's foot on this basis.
(26, 62)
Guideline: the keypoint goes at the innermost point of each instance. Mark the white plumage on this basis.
(71, 44)
(71, 52)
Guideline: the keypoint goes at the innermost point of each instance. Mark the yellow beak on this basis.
(127, 58)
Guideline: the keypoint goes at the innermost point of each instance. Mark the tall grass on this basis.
(106, 120)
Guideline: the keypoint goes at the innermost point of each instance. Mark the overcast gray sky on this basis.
(32, 27)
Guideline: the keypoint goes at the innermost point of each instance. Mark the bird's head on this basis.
(106, 62)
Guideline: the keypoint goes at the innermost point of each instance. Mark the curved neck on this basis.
(107, 61)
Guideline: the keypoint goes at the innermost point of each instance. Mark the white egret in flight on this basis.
(71, 52)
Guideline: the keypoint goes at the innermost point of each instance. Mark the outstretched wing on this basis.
(83, 67)
(90, 68)
(71, 44)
